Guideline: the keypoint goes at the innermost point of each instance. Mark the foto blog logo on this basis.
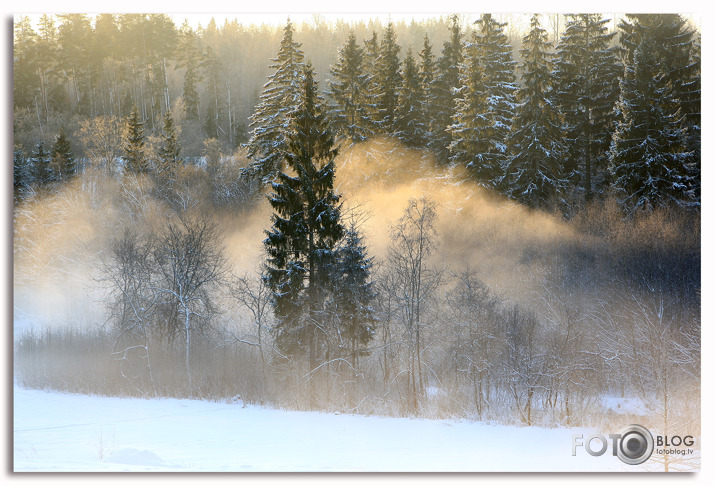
(633, 444)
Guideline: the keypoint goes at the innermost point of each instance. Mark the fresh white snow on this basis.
(68, 432)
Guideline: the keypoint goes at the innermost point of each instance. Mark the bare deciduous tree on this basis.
(413, 281)
(102, 138)
(127, 273)
(190, 265)
(472, 309)
(523, 360)
(253, 295)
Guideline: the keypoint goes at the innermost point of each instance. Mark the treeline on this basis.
(583, 118)
(72, 67)
(594, 112)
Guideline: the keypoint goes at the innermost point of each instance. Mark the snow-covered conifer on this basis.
(354, 294)
(427, 72)
(348, 92)
(534, 174)
(411, 126)
(388, 81)
(40, 163)
(649, 160)
(586, 74)
(271, 121)
(484, 103)
(446, 80)
(306, 227)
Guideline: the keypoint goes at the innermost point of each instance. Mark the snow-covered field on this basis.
(67, 432)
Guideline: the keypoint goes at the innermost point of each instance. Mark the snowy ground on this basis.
(67, 432)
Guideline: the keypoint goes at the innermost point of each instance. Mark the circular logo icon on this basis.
(636, 444)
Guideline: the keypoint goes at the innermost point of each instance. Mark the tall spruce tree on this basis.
(427, 72)
(306, 228)
(271, 121)
(534, 175)
(348, 92)
(63, 160)
(692, 108)
(692, 87)
(674, 41)
(649, 160)
(442, 105)
(586, 72)
(134, 154)
(678, 62)
(484, 104)
(354, 294)
(465, 131)
(411, 125)
(388, 81)
(372, 52)
(169, 150)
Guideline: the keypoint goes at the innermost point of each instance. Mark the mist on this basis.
(61, 236)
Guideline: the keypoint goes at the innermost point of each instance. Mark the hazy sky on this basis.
(275, 11)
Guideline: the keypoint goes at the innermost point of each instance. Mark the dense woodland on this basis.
(163, 138)
(564, 123)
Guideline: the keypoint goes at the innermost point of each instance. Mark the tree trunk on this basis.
(188, 354)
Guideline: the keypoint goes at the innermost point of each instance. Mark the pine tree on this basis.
(271, 121)
(40, 161)
(215, 112)
(306, 228)
(649, 161)
(63, 160)
(586, 72)
(442, 97)
(484, 104)
(348, 91)
(189, 55)
(75, 31)
(410, 124)
(211, 127)
(534, 175)
(387, 81)
(134, 154)
(47, 66)
(25, 78)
